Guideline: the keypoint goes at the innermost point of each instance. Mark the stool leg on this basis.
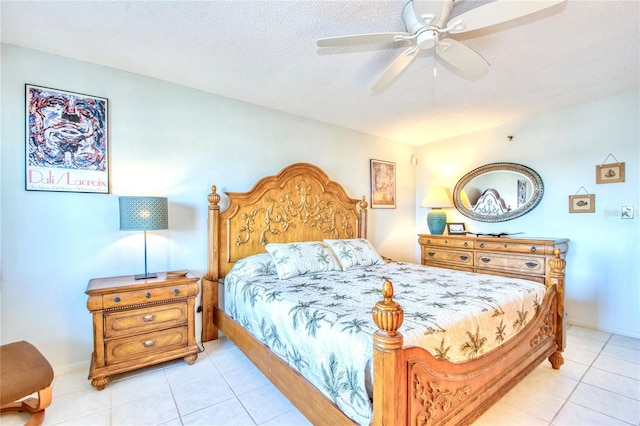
(35, 406)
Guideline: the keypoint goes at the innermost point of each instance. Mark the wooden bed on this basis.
(410, 386)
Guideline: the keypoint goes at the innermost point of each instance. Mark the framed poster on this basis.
(66, 142)
(383, 185)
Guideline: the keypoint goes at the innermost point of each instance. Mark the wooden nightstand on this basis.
(137, 323)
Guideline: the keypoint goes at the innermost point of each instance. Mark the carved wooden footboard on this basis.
(411, 387)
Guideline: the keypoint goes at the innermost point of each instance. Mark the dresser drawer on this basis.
(512, 247)
(121, 323)
(457, 257)
(136, 297)
(124, 349)
(446, 242)
(531, 265)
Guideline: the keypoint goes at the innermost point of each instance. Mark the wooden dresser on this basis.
(137, 323)
(513, 257)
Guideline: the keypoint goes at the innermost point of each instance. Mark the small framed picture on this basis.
(584, 203)
(456, 229)
(610, 173)
(383, 184)
(627, 212)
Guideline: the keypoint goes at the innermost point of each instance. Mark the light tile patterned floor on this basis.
(599, 384)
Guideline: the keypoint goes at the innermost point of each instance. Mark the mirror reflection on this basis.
(498, 192)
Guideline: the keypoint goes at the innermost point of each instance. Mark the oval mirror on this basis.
(497, 192)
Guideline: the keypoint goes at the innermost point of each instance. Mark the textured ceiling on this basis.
(264, 52)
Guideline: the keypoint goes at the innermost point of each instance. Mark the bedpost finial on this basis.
(556, 263)
(388, 316)
(214, 197)
(363, 204)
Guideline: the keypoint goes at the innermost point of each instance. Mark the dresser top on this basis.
(506, 238)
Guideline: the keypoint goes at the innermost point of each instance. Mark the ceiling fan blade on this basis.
(497, 12)
(352, 40)
(462, 57)
(397, 66)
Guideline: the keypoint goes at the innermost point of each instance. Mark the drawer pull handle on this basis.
(176, 292)
(148, 295)
(116, 299)
(446, 242)
(431, 253)
(464, 257)
(533, 249)
(428, 241)
(148, 343)
(485, 260)
(531, 264)
(481, 245)
(148, 318)
(505, 246)
(465, 244)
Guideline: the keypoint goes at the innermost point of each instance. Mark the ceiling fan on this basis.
(428, 22)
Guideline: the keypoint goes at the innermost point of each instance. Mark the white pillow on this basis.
(355, 253)
(295, 259)
(256, 265)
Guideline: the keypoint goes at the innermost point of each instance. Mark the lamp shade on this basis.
(143, 213)
(436, 197)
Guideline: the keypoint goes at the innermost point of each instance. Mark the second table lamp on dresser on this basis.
(143, 214)
(437, 199)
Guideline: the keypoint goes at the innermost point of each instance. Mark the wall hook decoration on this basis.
(582, 203)
(610, 173)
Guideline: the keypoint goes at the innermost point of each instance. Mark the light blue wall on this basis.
(165, 140)
(174, 141)
(564, 147)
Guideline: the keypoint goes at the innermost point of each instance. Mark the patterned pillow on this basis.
(295, 259)
(355, 253)
(256, 265)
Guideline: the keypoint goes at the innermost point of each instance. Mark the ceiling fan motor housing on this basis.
(423, 28)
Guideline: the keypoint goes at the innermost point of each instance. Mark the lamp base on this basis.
(144, 276)
(436, 221)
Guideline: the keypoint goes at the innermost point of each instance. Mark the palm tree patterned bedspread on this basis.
(321, 324)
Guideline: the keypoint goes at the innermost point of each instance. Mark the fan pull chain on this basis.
(435, 63)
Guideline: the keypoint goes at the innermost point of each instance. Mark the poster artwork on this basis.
(67, 145)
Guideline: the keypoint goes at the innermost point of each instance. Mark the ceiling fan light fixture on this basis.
(427, 39)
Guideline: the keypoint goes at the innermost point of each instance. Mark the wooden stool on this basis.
(23, 371)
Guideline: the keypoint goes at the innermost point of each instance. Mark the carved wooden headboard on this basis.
(300, 203)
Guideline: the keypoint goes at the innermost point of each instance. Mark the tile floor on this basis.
(599, 384)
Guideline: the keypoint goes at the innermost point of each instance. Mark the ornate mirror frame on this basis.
(536, 191)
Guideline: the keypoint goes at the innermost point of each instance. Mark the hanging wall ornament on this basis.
(582, 203)
(610, 173)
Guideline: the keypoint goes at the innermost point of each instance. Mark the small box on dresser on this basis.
(137, 323)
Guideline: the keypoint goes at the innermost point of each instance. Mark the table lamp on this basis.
(437, 199)
(143, 214)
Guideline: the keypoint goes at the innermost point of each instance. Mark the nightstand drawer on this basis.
(454, 257)
(123, 350)
(136, 297)
(121, 323)
(531, 265)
